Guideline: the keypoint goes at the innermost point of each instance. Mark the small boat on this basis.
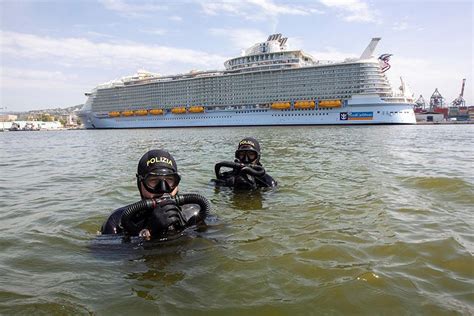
(330, 103)
(127, 113)
(140, 112)
(196, 109)
(304, 105)
(280, 105)
(30, 127)
(156, 112)
(15, 127)
(178, 110)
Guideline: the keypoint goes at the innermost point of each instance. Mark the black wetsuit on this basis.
(235, 179)
(113, 223)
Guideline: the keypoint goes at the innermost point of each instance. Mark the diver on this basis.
(247, 172)
(162, 212)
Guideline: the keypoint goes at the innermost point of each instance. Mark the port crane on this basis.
(459, 101)
(420, 103)
(436, 100)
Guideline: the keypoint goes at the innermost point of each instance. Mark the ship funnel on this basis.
(369, 51)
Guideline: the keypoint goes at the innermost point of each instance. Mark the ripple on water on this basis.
(443, 188)
(45, 306)
(360, 224)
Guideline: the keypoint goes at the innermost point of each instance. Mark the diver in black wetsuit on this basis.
(161, 212)
(247, 172)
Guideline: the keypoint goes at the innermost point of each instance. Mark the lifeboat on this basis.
(156, 112)
(127, 113)
(304, 105)
(114, 114)
(178, 110)
(281, 105)
(330, 103)
(196, 109)
(140, 112)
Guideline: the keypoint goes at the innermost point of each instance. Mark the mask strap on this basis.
(139, 181)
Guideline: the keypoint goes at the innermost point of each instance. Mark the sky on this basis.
(52, 52)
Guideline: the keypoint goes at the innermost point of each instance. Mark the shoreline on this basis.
(82, 128)
(445, 123)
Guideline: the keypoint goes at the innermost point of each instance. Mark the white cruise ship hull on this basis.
(360, 114)
(269, 85)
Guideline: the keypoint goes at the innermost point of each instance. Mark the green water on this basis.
(366, 220)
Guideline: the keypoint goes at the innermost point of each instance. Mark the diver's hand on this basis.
(145, 234)
(238, 165)
(166, 217)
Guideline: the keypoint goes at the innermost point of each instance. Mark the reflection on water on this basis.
(366, 220)
(241, 200)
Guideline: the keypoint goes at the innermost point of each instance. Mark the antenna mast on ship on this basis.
(278, 37)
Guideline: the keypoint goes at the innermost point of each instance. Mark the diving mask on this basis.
(246, 155)
(160, 181)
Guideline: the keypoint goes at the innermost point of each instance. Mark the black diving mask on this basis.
(247, 155)
(160, 181)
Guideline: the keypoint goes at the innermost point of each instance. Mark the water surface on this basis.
(366, 220)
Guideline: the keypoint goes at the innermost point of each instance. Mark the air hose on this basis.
(134, 215)
(253, 170)
(256, 171)
(228, 164)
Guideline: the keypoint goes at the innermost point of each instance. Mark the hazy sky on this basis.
(54, 51)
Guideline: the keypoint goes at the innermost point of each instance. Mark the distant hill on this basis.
(75, 107)
(53, 111)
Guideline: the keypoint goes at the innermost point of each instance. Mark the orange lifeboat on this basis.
(280, 105)
(140, 112)
(127, 113)
(114, 114)
(330, 103)
(196, 109)
(304, 105)
(178, 110)
(156, 112)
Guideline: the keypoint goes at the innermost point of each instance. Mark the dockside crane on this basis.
(420, 103)
(436, 100)
(459, 101)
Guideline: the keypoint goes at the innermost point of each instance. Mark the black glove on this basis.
(245, 182)
(166, 218)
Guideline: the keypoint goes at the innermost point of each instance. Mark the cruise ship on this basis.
(268, 85)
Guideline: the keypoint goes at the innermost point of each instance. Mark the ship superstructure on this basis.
(268, 85)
